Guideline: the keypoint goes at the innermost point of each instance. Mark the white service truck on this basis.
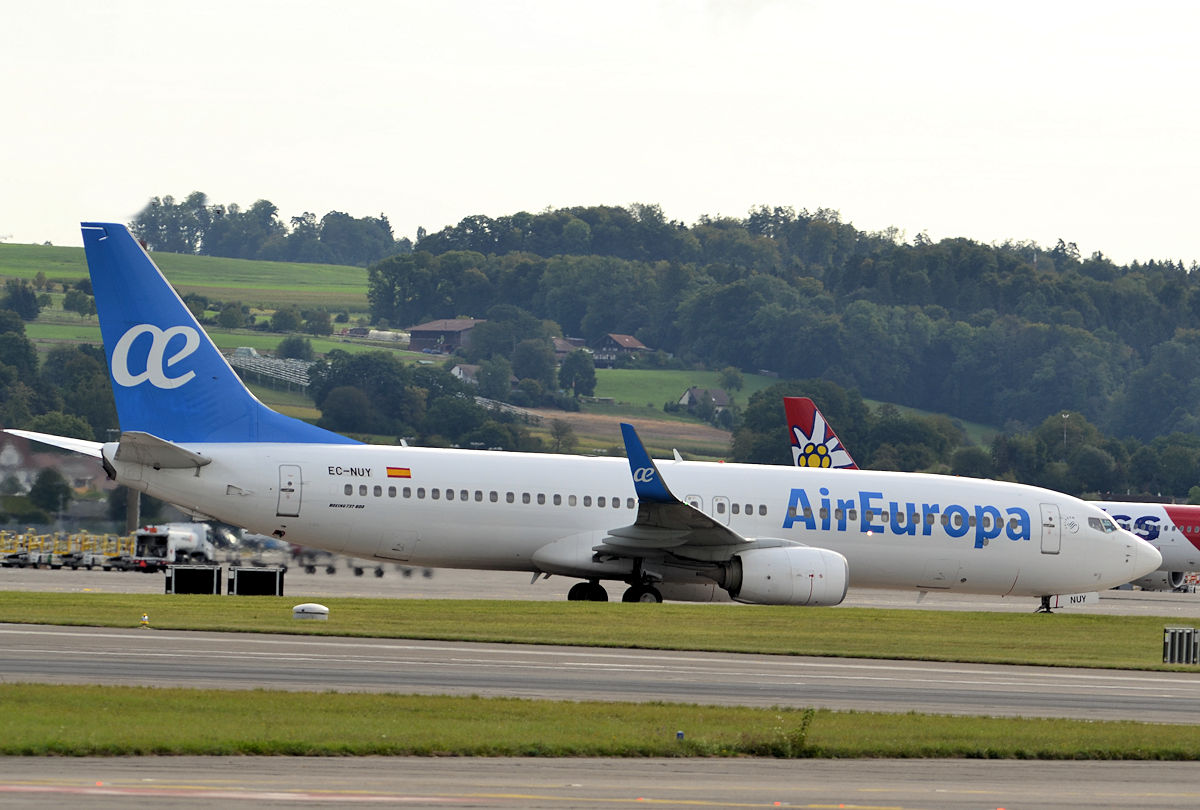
(156, 547)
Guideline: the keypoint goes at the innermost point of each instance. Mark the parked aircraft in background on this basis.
(194, 436)
(1173, 529)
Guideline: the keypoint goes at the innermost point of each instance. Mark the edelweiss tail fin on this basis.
(814, 444)
(169, 380)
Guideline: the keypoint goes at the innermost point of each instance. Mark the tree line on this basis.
(998, 334)
(195, 226)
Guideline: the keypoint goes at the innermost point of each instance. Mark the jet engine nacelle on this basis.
(1160, 581)
(788, 575)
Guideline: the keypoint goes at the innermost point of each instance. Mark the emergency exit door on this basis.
(289, 491)
(1051, 529)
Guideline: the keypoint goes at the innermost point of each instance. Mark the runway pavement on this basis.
(195, 782)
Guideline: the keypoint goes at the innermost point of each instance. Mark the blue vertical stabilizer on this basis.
(169, 380)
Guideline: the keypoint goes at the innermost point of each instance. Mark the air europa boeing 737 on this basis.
(194, 436)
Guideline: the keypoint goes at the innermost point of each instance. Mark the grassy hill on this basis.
(256, 283)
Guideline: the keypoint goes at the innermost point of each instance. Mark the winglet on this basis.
(646, 479)
(814, 444)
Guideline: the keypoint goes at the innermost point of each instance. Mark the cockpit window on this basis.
(1102, 524)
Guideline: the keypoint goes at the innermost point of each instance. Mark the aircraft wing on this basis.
(65, 442)
(663, 521)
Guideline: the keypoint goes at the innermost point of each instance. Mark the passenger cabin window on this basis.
(349, 489)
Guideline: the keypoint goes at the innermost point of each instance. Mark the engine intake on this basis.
(1160, 581)
(789, 575)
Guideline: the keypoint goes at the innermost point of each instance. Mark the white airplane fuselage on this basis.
(541, 512)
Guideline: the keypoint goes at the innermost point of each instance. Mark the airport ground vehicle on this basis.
(156, 547)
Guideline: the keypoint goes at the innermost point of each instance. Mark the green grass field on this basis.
(43, 720)
(640, 388)
(256, 283)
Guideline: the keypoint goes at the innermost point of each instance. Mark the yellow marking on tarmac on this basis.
(642, 800)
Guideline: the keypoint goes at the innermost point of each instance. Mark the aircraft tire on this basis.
(641, 593)
(587, 592)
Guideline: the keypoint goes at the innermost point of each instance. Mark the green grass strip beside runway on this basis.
(1063, 639)
(114, 721)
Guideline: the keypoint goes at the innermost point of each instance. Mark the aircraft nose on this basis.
(1146, 557)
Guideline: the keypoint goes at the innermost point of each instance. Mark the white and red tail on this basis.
(814, 444)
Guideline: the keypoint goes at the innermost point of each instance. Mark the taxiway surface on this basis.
(202, 782)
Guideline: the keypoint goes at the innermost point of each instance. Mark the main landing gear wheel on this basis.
(587, 592)
(641, 593)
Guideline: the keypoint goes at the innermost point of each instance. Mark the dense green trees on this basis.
(50, 491)
(578, 373)
(195, 226)
(989, 333)
(373, 392)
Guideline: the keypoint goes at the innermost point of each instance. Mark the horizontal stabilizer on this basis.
(142, 448)
(65, 442)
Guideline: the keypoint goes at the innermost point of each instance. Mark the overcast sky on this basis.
(1024, 120)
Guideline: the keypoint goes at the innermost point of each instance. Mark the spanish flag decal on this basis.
(399, 472)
